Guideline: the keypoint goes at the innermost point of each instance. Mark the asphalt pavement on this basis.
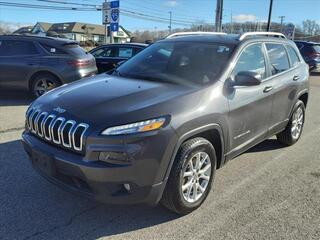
(269, 192)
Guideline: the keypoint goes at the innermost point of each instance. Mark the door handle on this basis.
(267, 89)
(295, 78)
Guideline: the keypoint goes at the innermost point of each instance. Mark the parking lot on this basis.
(269, 192)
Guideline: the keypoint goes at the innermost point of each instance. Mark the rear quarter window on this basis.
(52, 49)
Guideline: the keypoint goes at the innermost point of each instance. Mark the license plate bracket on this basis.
(43, 163)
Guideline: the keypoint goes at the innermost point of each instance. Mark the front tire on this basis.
(191, 176)
(291, 134)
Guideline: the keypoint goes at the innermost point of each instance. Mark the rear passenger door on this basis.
(105, 58)
(250, 106)
(284, 81)
(18, 59)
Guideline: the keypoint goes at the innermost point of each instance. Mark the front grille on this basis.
(57, 130)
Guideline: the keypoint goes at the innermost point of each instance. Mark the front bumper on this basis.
(102, 181)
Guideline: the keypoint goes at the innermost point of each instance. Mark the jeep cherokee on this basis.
(157, 129)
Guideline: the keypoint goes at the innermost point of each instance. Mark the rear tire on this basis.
(191, 176)
(291, 134)
(44, 83)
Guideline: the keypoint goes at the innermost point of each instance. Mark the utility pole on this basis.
(281, 22)
(219, 9)
(269, 17)
(231, 21)
(170, 22)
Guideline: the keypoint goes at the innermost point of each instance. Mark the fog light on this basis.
(113, 157)
(127, 186)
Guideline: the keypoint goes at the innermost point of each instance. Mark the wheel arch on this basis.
(38, 73)
(213, 133)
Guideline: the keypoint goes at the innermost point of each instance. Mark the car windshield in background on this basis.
(178, 62)
(316, 48)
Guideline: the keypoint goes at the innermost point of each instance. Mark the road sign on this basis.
(114, 13)
(114, 27)
(106, 13)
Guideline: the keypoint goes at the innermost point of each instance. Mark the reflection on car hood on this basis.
(102, 98)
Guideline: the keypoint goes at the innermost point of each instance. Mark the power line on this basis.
(123, 11)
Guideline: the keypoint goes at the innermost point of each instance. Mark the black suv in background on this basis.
(40, 64)
(159, 127)
(310, 52)
(108, 56)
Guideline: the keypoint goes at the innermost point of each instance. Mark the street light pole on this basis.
(269, 17)
(219, 8)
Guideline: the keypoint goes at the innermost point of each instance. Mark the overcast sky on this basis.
(185, 11)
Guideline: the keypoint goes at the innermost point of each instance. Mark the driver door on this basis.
(250, 106)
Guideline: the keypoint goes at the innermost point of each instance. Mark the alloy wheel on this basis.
(297, 123)
(196, 177)
(43, 86)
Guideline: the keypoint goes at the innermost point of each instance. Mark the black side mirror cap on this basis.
(247, 78)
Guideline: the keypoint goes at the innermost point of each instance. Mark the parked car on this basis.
(40, 64)
(168, 118)
(310, 52)
(108, 56)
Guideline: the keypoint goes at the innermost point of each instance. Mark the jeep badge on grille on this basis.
(59, 110)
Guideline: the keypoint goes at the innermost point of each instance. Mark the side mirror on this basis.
(247, 78)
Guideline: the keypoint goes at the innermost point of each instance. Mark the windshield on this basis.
(178, 62)
(316, 48)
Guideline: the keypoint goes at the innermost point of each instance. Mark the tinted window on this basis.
(178, 62)
(104, 52)
(278, 58)
(17, 48)
(74, 49)
(251, 59)
(51, 49)
(293, 56)
(125, 52)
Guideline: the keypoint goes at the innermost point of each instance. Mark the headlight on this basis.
(138, 127)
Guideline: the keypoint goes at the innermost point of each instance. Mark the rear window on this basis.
(74, 49)
(278, 58)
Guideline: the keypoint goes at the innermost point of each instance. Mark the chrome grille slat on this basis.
(58, 130)
(50, 118)
(61, 120)
(73, 123)
(85, 126)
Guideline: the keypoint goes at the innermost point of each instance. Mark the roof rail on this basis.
(272, 34)
(194, 33)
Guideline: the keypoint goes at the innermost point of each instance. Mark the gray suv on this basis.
(159, 127)
(40, 64)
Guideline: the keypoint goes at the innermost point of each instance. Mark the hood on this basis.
(103, 98)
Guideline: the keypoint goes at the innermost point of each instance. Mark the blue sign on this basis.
(115, 15)
(114, 27)
(114, 4)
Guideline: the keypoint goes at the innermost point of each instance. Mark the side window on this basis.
(278, 58)
(125, 52)
(17, 48)
(251, 59)
(104, 52)
(293, 56)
